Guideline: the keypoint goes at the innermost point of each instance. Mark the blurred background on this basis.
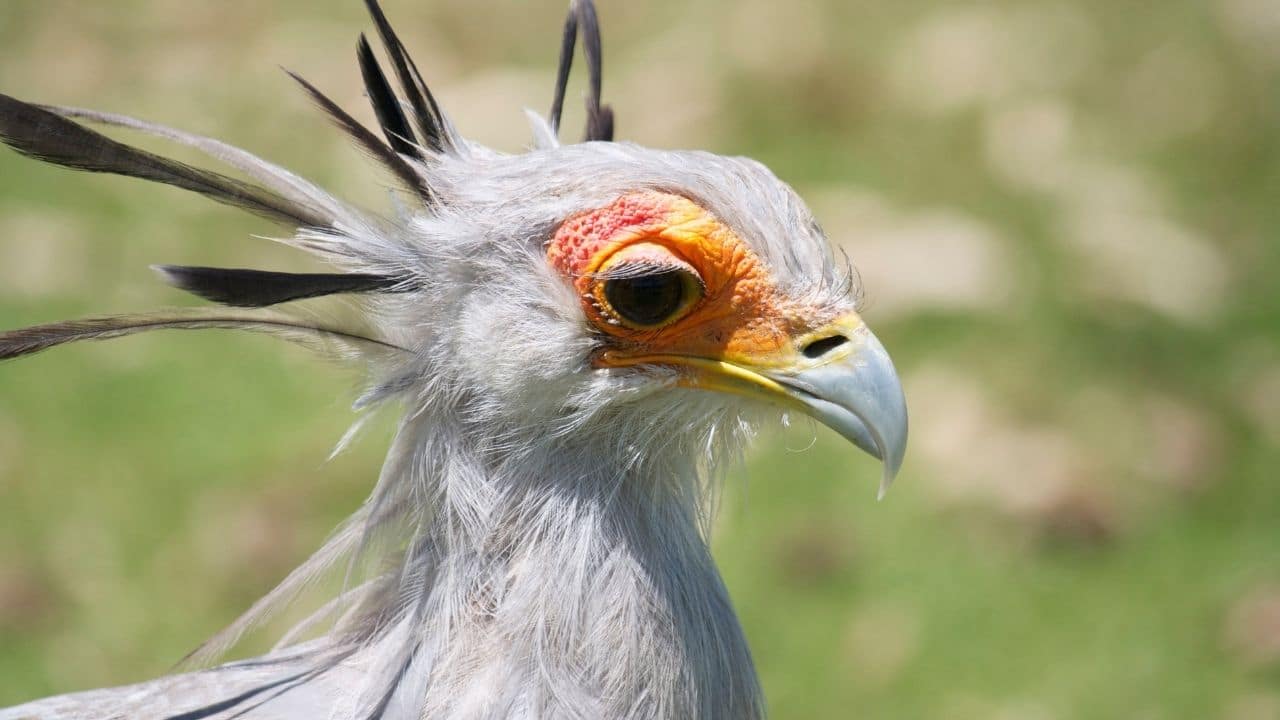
(1065, 214)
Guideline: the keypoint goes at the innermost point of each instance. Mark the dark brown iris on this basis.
(647, 299)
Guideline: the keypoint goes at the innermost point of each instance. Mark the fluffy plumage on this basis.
(535, 545)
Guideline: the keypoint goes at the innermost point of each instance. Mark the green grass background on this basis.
(1067, 215)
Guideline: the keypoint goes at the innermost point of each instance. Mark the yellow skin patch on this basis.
(742, 317)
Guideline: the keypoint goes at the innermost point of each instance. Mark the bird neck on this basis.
(562, 578)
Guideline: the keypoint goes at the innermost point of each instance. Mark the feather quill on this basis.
(309, 198)
(38, 338)
(44, 135)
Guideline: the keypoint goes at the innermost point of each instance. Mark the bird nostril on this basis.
(818, 348)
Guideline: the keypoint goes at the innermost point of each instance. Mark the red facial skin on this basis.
(742, 315)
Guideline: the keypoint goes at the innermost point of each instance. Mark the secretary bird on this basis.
(579, 336)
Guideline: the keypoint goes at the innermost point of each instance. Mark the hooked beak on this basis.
(856, 392)
(851, 387)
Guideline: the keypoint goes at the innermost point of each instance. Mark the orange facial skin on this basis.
(742, 315)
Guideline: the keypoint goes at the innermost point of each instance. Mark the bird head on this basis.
(665, 292)
(598, 288)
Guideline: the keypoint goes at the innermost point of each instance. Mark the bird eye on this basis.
(652, 299)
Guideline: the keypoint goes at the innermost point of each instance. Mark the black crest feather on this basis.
(427, 115)
(44, 135)
(395, 126)
(260, 288)
(367, 140)
(582, 16)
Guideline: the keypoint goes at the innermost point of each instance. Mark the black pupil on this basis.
(646, 299)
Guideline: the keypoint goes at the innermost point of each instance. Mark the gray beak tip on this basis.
(860, 397)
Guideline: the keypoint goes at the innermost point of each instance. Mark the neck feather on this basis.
(549, 578)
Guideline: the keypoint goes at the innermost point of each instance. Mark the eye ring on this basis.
(647, 297)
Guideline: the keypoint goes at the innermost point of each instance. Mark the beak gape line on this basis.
(852, 389)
